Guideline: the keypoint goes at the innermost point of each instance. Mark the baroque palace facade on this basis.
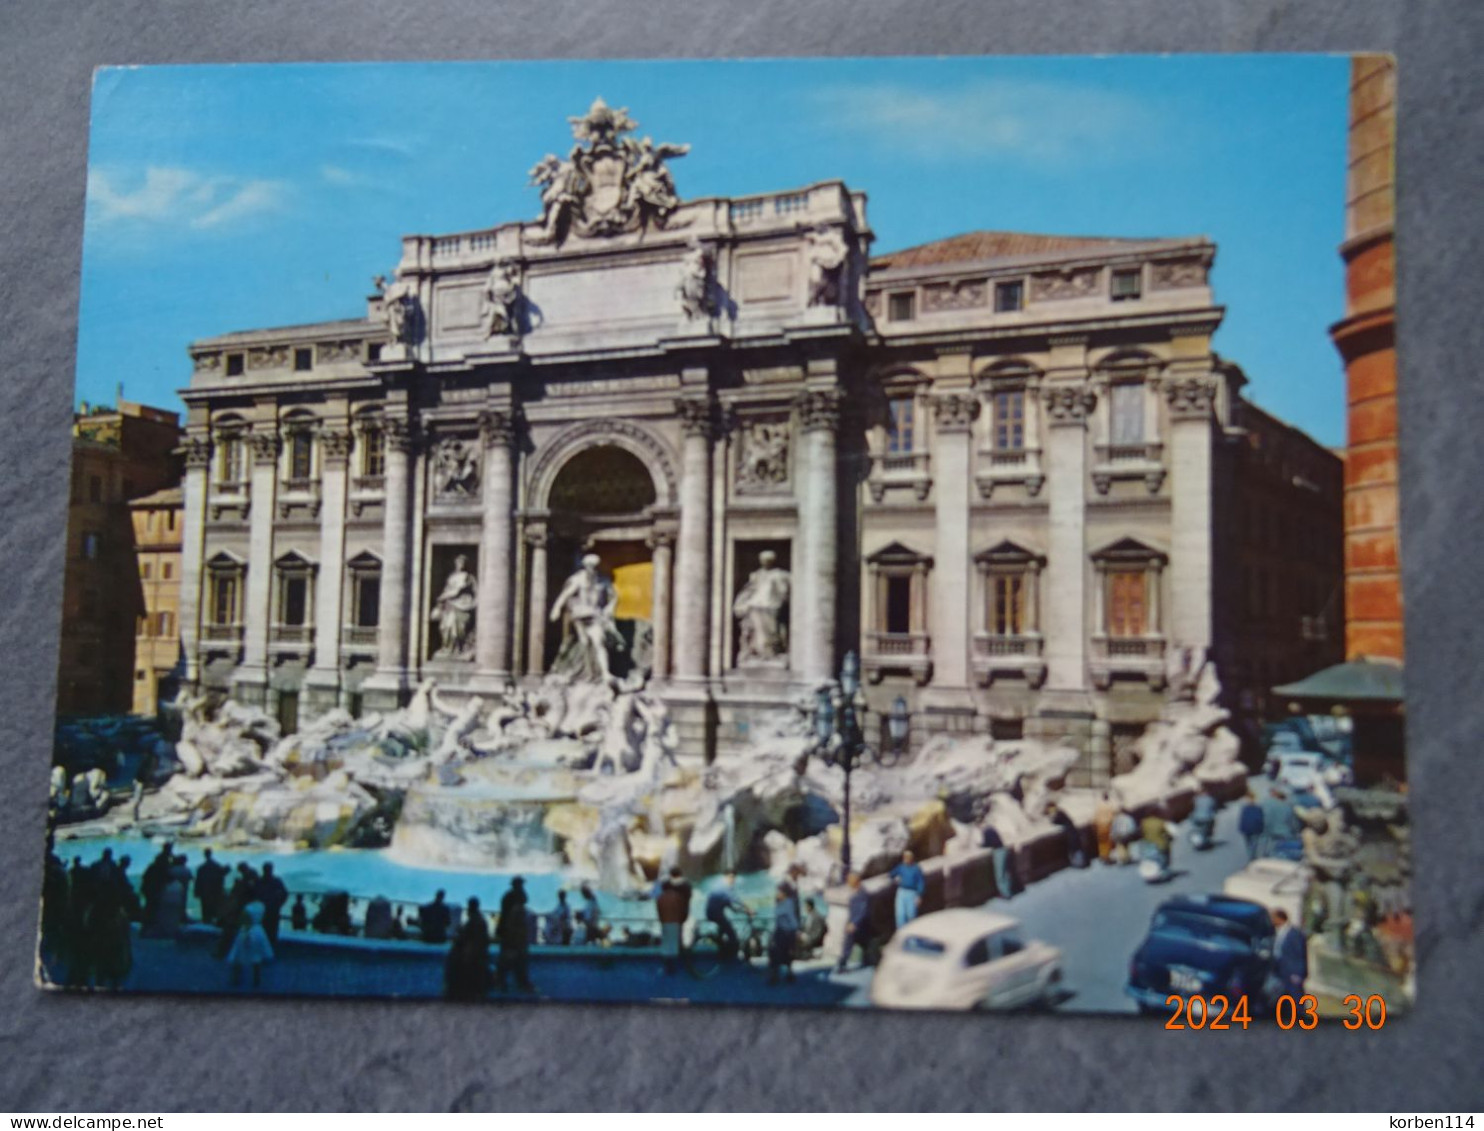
(1003, 468)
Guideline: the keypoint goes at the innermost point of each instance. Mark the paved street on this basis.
(1098, 916)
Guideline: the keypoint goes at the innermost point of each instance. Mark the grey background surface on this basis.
(60, 1053)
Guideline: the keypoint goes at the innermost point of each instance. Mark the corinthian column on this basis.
(952, 468)
(257, 610)
(1068, 406)
(1191, 399)
(819, 416)
(391, 673)
(536, 616)
(693, 569)
(192, 548)
(329, 598)
(662, 542)
(492, 622)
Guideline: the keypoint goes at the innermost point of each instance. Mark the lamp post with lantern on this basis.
(840, 711)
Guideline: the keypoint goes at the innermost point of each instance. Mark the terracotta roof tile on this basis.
(995, 245)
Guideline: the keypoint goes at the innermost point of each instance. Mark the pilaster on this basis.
(1069, 403)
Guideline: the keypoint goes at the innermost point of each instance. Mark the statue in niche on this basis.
(588, 600)
(456, 468)
(827, 256)
(762, 635)
(453, 613)
(694, 288)
(501, 300)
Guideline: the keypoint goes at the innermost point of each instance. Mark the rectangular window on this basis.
(902, 307)
(301, 455)
(899, 437)
(167, 625)
(167, 570)
(1127, 284)
(1009, 296)
(92, 545)
(141, 625)
(1126, 415)
(367, 599)
(1009, 602)
(146, 570)
(224, 598)
(235, 365)
(303, 359)
(373, 452)
(1009, 421)
(1127, 604)
(230, 468)
(898, 603)
(169, 523)
(373, 351)
(293, 599)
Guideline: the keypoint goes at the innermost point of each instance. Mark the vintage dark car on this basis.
(1202, 945)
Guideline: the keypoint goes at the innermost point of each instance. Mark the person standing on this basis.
(1249, 824)
(1156, 834)
(1279, 822)
(559, 922)
(857, 923)
(1102, 827)
(433, 920)
(588, 914)
(272, 894)
(1290, 957)
(1000, 861)
(211, 886)
(250, 945)
(785, 935)
(466, 971)
(514, 936)
(911, 883)
(673, 908)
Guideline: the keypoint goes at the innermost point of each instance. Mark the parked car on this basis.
(1272, 883)
(964, 958)
(1202, 945)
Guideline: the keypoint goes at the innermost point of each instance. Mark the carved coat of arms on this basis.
(609, 183)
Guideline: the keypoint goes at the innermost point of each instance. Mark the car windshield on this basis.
(1205, 927)
(928, 948)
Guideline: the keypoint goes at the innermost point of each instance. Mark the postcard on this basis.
(900, 532)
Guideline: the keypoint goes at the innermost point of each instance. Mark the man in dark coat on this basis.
(155, 877)
(433, 919)
(672, 905)
(211, 887)
(513, 933)
(466, 971)
(1290, 957)
(272, 894)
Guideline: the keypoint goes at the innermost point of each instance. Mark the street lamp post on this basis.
(839, 714)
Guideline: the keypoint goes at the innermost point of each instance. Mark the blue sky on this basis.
(233, 197)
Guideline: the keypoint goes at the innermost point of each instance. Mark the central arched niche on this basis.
(602, 482)
(599, 502)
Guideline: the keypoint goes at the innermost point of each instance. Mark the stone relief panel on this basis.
(208, 362)
(1051, 286)
(965, 294)
(1172, 276)
(268, 357)
(455, 469)
(762, 457)
(332, 352)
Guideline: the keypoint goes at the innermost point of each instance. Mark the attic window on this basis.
(303, 359)
(1128, 284)
(1009, 296)
(235, 364)
(902, 307)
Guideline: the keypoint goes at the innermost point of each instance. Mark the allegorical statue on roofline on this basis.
(609, 183)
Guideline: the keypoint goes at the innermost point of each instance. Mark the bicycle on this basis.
(709, 951)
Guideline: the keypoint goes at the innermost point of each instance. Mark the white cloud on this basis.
(1039, 122)
(337, 175)
(180, 198)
